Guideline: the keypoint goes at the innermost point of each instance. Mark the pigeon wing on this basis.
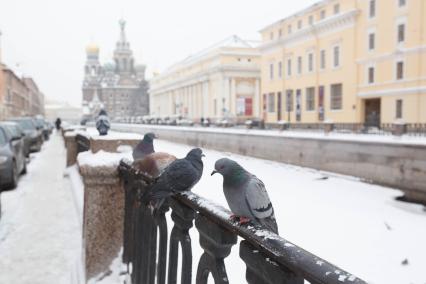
(259, 204)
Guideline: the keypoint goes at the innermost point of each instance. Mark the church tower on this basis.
(123, 55)
(92, 73)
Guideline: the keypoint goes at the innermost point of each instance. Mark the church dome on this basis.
(92, 48)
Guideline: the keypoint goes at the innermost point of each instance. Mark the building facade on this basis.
(118, 87)
(35, 97)
(347, 61)
(222, 81)
(16, 100)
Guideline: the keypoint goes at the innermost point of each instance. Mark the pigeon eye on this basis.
(221, 167)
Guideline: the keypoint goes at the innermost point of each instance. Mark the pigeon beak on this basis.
(213, 172)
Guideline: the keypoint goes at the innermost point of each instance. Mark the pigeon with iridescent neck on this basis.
(246, 195)
(147, 160)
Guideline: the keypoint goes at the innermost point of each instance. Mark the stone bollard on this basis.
(71, 146)
(103, 210)
(283, 125)
(110, 143)
(399, 128)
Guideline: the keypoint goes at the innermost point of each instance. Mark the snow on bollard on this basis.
(103, 210)
(113, 141)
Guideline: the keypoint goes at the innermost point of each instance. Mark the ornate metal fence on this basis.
(83, 143)
(269, 258)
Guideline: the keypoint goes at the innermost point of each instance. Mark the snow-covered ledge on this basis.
(103, 210)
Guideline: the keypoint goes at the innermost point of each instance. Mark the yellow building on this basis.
(347, 61)
(222, 81)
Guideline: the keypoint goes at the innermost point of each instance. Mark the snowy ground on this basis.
(355, 225)
(39, 231)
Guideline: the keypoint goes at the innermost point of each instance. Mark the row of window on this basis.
(399, 72)
(321, 16)
(336, 10)
(336, 99)
(310, 63)
(400, 36)
(372, 7)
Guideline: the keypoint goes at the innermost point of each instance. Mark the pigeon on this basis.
(144, 147)
(246, 195)
(147, 160)
(181, 175)
(102, 123)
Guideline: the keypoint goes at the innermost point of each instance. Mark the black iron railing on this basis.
(83, 143)
(269, 258)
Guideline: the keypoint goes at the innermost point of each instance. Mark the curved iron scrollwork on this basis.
(269, 258)
(217, 244)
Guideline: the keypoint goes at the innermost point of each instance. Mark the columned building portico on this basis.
(221, 82)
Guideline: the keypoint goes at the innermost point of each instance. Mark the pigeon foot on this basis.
(244, 220)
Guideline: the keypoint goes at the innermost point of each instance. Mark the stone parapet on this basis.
(103, 212)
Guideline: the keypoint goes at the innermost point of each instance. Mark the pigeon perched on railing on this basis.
(246, 195)
(181, 175)
(147, 160)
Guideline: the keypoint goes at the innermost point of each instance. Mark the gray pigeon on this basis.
(144, 147)
(181, 175)
(102, 123)
(246, 194)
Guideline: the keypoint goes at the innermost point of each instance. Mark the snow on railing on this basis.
(269, 258)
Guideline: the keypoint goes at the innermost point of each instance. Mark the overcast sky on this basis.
(46, 39)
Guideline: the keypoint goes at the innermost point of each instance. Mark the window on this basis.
(372, 8)
(310, 62)
(322, 59)
(336, 9)
(271, 102)
(336, 97)
(280, 69)
(336, 56)
(289, 100)
(401, 3)
(311, 20)
(289, 29)
(310, 98)
(280, 33)
(322, 15)
(299, 65)
(398, 109)
(271, 71)
(400, 70)
(271, 36)
(299, 24)
(289, 67)
(370, 75)
(401, 33)
(371, 41)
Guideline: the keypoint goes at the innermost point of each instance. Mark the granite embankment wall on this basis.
(394, 164)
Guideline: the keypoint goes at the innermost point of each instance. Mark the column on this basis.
(256, 99)
(205, 99)
(233, 97)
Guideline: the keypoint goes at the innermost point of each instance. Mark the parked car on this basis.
(12, 156)
(33, 133)
(41, 124)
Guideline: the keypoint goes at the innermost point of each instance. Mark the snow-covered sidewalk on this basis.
(39, 230)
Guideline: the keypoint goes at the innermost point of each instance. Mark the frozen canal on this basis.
(355, 225)
(39, 233)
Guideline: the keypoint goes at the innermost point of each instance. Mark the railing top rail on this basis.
(303, 263)
(300, 261)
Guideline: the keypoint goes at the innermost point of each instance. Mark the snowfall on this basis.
(355, 225)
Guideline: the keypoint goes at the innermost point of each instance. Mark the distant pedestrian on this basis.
(58, 123)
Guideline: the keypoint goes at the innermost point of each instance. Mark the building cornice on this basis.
(392, 55)
(393, 92)
(328, 25)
